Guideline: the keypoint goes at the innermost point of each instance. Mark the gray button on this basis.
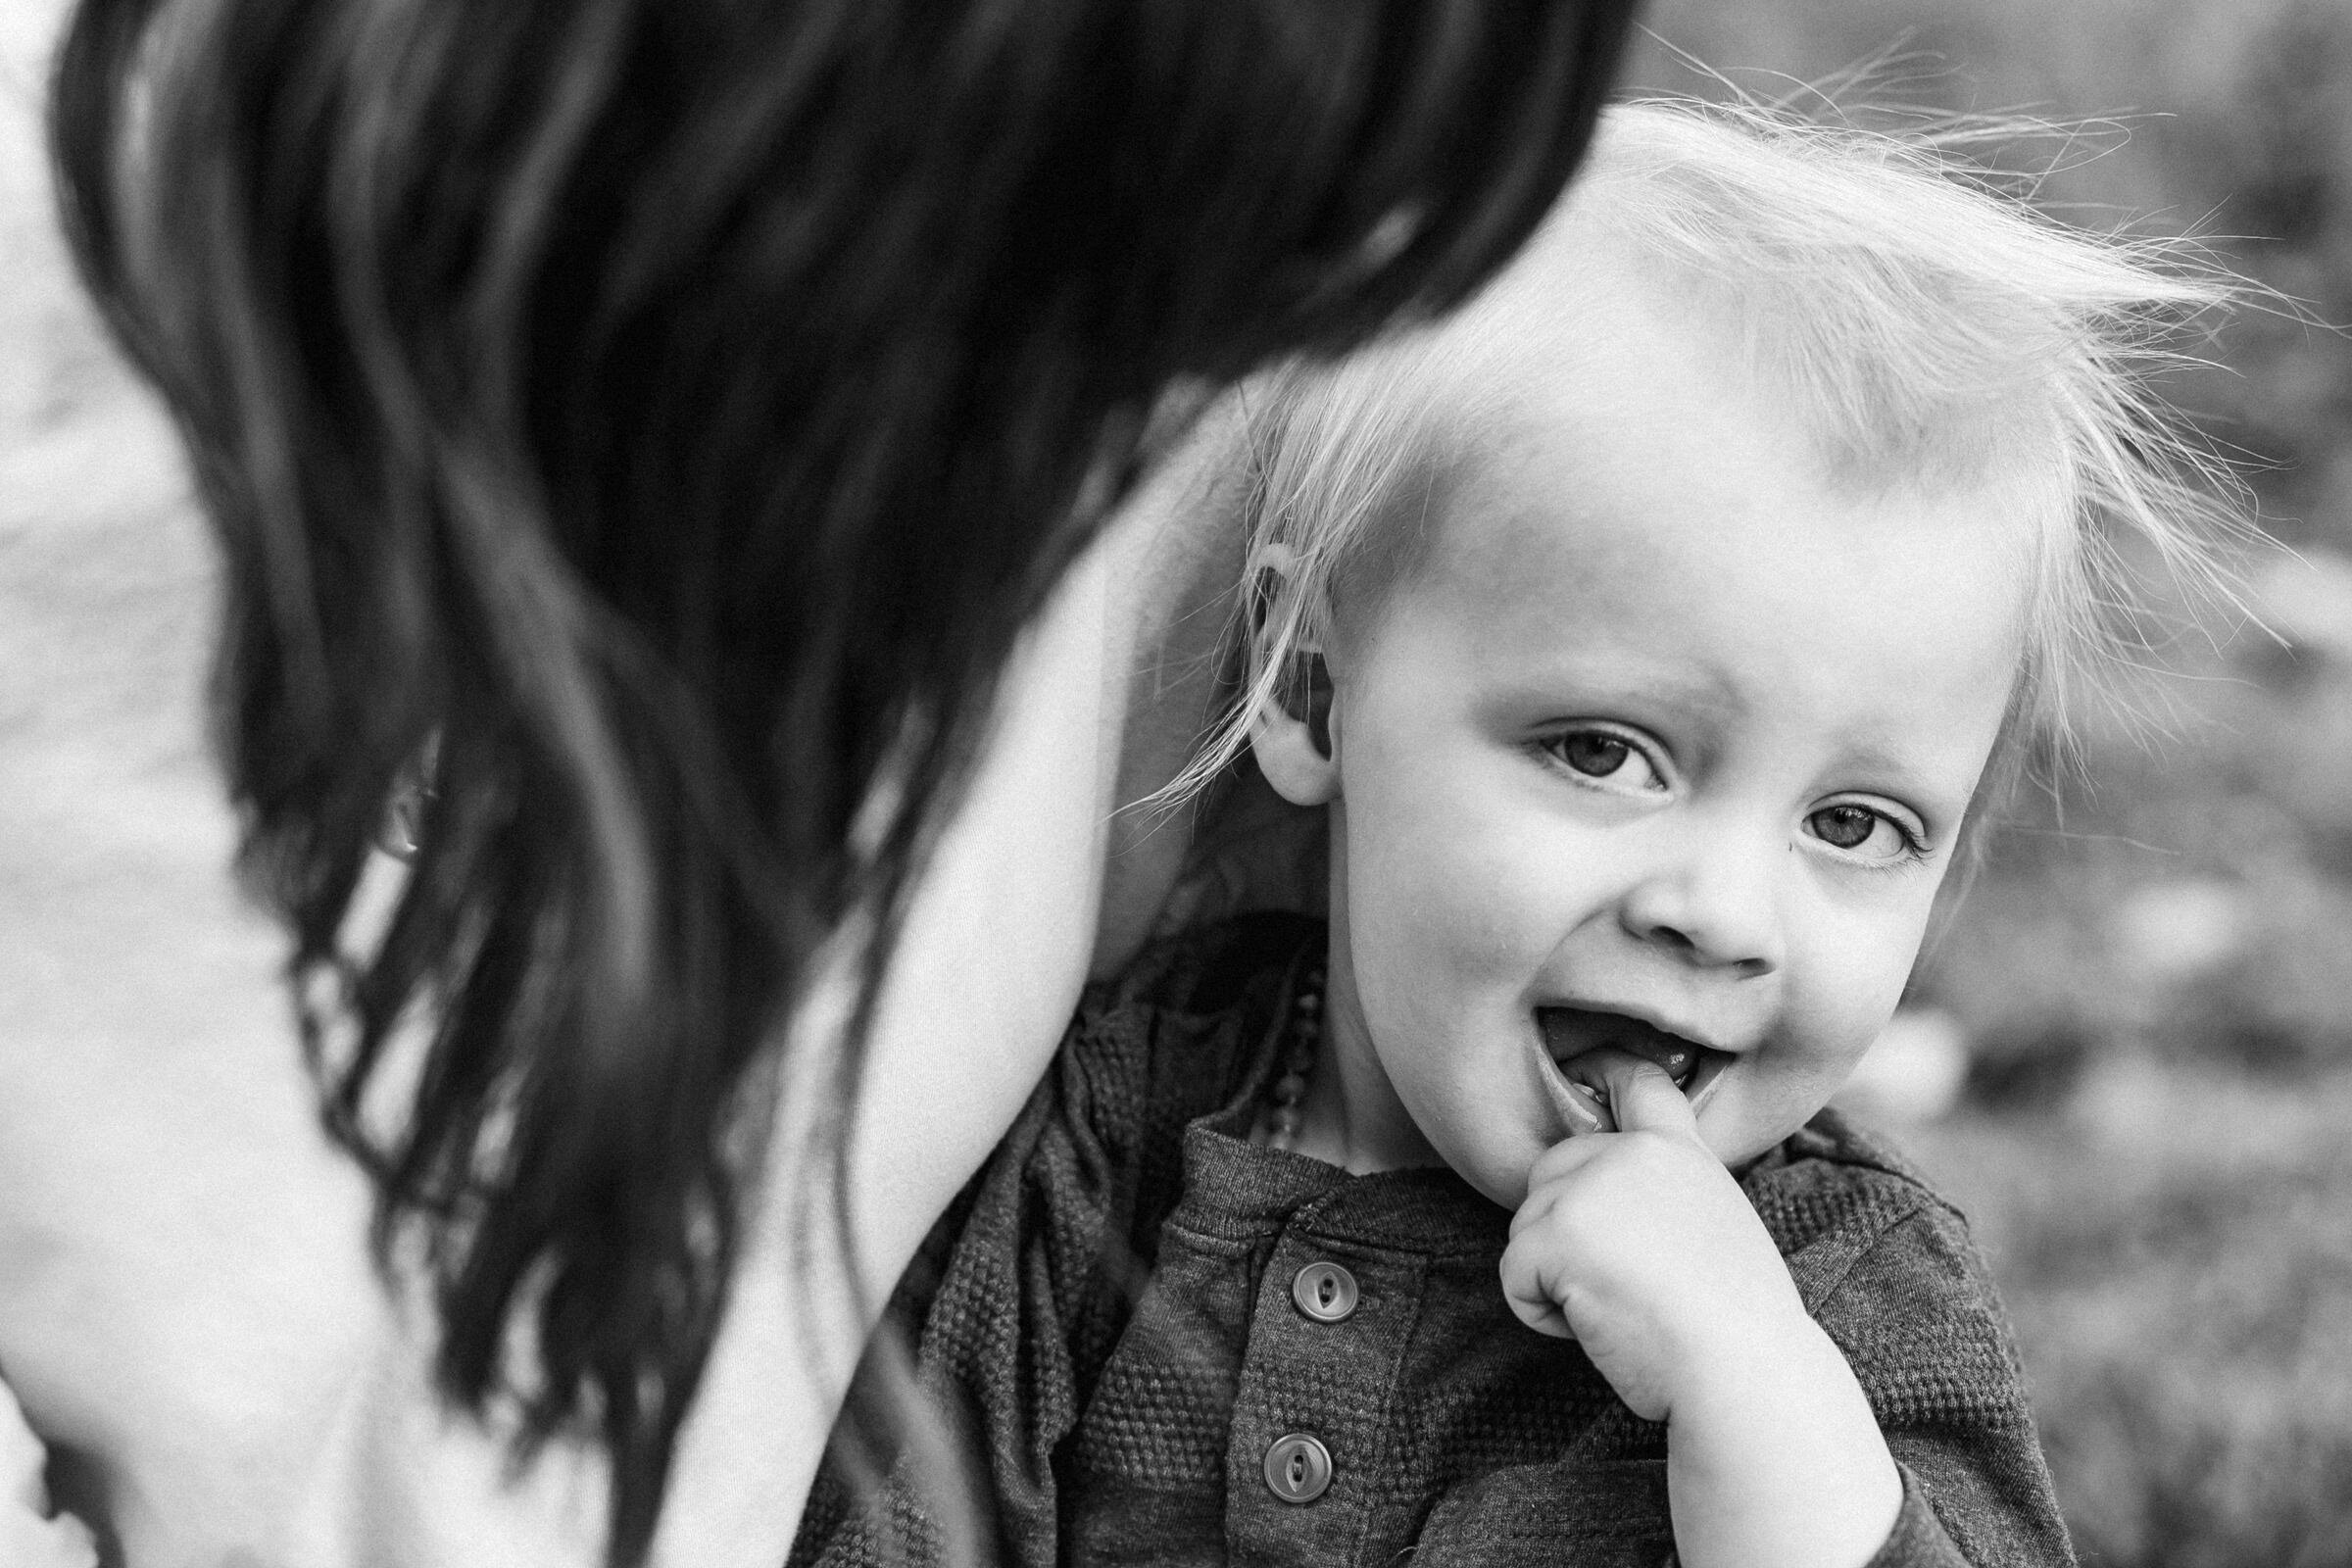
(1325, 1292)
(1297, 1468)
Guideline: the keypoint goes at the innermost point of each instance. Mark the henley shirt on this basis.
(1153, 1341)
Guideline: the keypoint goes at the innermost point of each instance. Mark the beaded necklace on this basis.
(1285, 1101)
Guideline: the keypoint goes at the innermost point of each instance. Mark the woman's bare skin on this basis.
(970, 1013)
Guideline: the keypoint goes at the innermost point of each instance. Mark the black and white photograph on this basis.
(1048, 783)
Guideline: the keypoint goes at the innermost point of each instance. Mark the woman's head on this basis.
(666, 413)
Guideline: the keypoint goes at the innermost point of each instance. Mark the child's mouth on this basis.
(1580, 1096)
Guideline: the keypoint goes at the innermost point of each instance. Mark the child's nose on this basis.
(1717, 907)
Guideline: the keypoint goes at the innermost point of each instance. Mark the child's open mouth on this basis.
(1580, 1096)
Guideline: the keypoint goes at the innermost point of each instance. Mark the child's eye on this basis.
(1606, 757)
(1865, 833)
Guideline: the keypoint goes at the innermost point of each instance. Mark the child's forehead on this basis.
(1650, 451)
(1571, 485)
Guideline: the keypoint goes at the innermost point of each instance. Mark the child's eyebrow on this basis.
(1620, 676)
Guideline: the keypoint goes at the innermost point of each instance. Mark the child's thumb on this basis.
(1641, 1097)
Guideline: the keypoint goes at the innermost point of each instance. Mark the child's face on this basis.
(1665, 727)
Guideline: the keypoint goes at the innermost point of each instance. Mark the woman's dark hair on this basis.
(660, 415)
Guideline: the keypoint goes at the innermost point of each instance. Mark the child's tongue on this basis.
(1571, 1032)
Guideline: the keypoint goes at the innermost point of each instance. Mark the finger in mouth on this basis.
(1577, 1088)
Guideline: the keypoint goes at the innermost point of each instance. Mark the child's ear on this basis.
(1294, 741)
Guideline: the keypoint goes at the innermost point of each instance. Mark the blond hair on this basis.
(1924, 326)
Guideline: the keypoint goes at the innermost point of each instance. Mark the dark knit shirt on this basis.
(1108, 1319)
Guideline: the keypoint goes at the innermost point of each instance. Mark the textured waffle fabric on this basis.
(1105, 1325)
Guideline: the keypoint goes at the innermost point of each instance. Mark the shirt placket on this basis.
(1326, 1343)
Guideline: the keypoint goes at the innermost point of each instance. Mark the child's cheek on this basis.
(1847, 981)
(1469, 903)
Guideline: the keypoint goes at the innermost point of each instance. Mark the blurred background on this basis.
(2129, 1055)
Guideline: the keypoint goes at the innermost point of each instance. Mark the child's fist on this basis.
(1639, 1245)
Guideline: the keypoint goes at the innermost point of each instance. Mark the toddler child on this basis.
(1652, 633)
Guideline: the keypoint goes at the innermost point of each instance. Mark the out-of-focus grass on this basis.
(2176, 1249)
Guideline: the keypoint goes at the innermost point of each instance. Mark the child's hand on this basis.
(1639, 1245)
(28, 1537)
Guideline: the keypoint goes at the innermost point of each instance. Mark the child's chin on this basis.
(1739, 1137)
(1501, 1179)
